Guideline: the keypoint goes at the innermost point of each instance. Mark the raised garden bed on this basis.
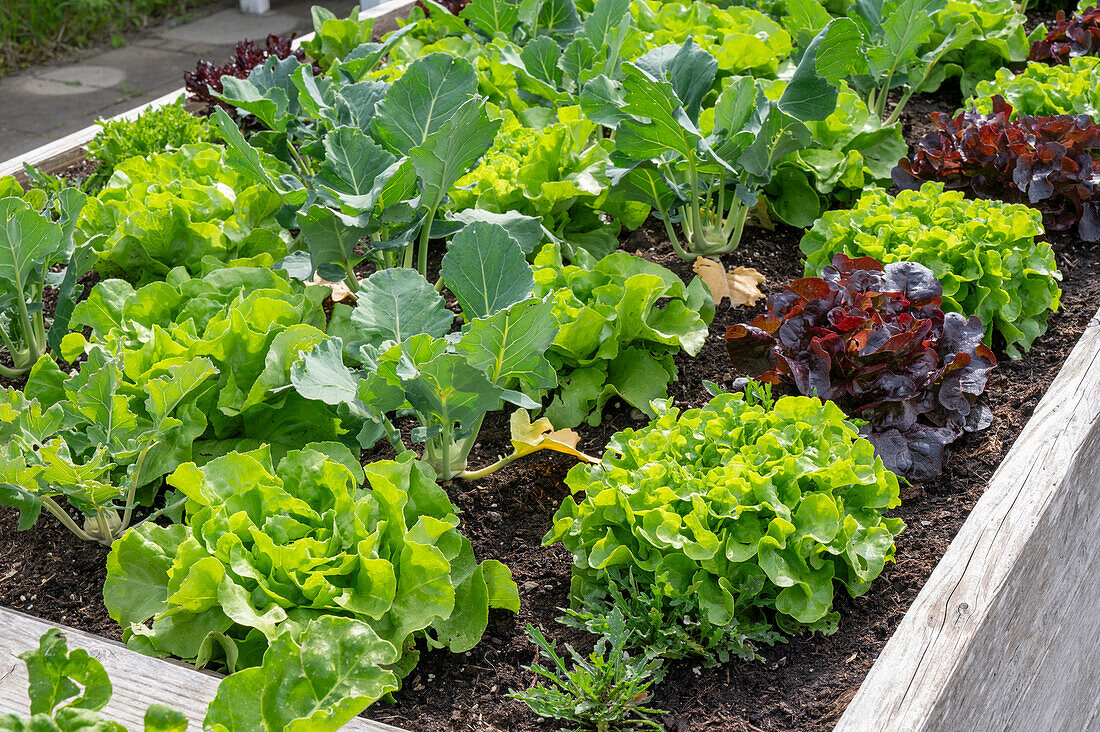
(962, 626)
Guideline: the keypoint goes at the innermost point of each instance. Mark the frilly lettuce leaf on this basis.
(738, 507)
(613, 340)
(175, 208)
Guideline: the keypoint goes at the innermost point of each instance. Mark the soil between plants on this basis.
(804, 684)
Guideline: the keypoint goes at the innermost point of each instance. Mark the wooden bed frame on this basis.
(1005, 635)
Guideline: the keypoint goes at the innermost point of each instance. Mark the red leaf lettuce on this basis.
(875, 341)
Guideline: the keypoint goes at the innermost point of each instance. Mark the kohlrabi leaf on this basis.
(492, 17)
(510, 346)
(452, 149)
(556, 18)
(689, 69)
(811, 93)
(352, 170)
(398, 303)
(331, 237)
(417, 105)
(486, 270)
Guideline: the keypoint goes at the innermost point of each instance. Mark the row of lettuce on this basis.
(232, 362)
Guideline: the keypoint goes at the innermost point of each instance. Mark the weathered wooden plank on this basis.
(138, 680)
(1006, 633)
(51, 157)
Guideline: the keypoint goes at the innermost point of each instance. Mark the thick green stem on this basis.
(739, 218)
(351, 280)
(672, 234)
(697, 241)
(105, 534)
(132, 492)
(304, 168)
(59, 513)
(884, 92)
(33, 351)
(425, 235)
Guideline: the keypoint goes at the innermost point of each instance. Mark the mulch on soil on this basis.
(801, 685)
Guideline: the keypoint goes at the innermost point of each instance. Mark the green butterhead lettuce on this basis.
(250, 322)
(1042, 90)
(613, 339)
(556, 173)
(175, 208)
(264, 555)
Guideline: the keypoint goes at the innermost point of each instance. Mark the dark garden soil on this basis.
(804, 684)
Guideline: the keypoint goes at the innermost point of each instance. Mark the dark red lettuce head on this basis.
(1048, 163)
(875, 340)
(1079, 35)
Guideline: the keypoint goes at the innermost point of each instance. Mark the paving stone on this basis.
(230, 26)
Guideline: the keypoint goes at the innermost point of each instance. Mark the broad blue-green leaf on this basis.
(445, 388)
(331, 237)
(526, 230)
(416, 106)
(352, 168)
(688, 68)
(602, 101)
(397, 303)
(557, 18)
(27, 239)
(492, 16)
(658, 122)
(356, 103)
(540, 57)
(486, 270)
(811, 93)
(248, 158)
(904, 29)
(510, 346)
(604, 19)
(453, 149)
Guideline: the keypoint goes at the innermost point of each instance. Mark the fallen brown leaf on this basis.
(740, 287)
(340, 290)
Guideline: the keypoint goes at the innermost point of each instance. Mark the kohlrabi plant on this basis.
(398, 339)
(89, 441)
(372, 162)
(708, 183)
(32, 239)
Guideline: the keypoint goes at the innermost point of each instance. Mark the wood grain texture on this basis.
(1005, 635)
(54, 157)
(138, 680)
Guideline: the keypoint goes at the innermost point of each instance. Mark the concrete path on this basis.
(43, 103)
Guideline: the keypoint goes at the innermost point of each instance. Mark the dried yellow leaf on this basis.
(740, 287)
